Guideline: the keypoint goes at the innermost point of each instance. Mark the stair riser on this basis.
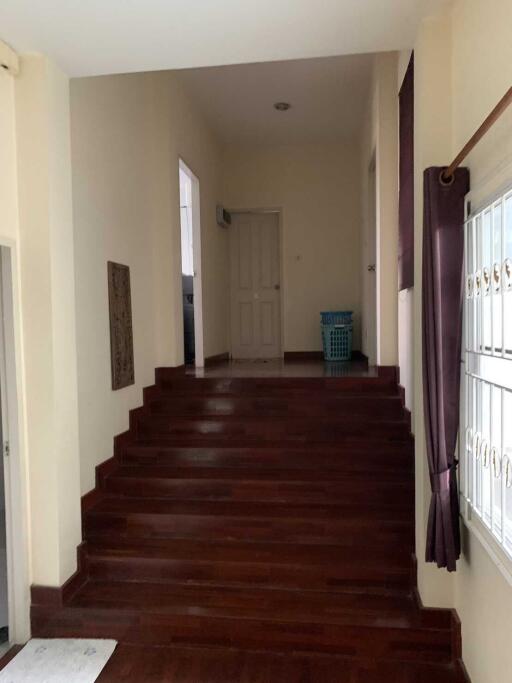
(160, 630)
(156, 427)
(277, 530)
(343, 409)
(280, 387)
(344, 576)
(381, 459)
(385, 494)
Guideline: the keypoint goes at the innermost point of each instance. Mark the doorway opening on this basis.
(190, 222)
(14, 578)
(255, 283)
(371, 299)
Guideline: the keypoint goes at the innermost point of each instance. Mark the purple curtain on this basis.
(443, 253)
(406, 180)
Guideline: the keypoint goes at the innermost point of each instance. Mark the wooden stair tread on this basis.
(135, 664)
(377, 611)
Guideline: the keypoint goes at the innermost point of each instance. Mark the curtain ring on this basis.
(446, 181)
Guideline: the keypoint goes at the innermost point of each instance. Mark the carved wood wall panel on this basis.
(121, 331)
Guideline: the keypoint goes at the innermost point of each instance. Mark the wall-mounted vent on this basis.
(223, 217)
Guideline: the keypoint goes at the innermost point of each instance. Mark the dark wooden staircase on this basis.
(261, 519)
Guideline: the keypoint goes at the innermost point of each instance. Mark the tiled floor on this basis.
(281, 368)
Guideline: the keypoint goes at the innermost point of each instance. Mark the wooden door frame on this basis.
(279, 212)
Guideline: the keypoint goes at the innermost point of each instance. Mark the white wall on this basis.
(128, 133)
(318, 192)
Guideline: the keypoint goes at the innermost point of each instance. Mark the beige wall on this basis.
(380, 143)
(318, 192)
(36, 225)
(48, 313)
(457, 84)
(480, 77)
(128, 133)
(432, 146)
(9, 239)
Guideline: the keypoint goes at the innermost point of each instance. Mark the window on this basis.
(486, 405)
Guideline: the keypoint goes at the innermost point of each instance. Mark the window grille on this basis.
(486, 405)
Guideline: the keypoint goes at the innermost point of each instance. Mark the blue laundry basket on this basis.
(337, 334)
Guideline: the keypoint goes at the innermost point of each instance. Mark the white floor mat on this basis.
(59, 661)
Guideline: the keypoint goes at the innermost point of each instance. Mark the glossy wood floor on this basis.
(258, 528)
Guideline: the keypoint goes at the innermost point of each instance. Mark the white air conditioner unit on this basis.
(223, 217)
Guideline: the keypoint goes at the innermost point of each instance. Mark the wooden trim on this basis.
(389, 371)
(359, 355)
(317, 355)
(218, 358)
(103, 470)
(506, 100)
(407, 412)
(163, 373)
(51, 596)
(303, 355)
(10, 654)
(451, 614)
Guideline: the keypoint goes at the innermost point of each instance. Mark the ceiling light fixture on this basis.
(282, 106)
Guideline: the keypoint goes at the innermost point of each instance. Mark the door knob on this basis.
(371, 268)
(277, 287)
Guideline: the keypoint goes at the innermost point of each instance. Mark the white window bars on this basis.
(486, 402)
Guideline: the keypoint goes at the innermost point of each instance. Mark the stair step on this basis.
(130, 663)
(344, 407)
(159, 518)
(164, 482)
(352, 624)
(258, 429)
(307, 567)
(377, 458)
(278, 386)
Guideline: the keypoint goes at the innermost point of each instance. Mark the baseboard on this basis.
(163, 373)
(218, 358)
(303, 355)
(360, 356)
(407, 412)
(103, 470)
(390, 371)
(446, 612)
(50, 596)
(317, 355)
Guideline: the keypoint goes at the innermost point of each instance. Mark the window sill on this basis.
(477, 528)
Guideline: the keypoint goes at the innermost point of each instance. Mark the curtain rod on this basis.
(447, 174)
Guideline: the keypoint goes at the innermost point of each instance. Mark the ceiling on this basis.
(90, 37)
(328, 97)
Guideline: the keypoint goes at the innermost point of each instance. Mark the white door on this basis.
(255, 286)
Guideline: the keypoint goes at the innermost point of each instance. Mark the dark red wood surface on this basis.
(256, 529)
